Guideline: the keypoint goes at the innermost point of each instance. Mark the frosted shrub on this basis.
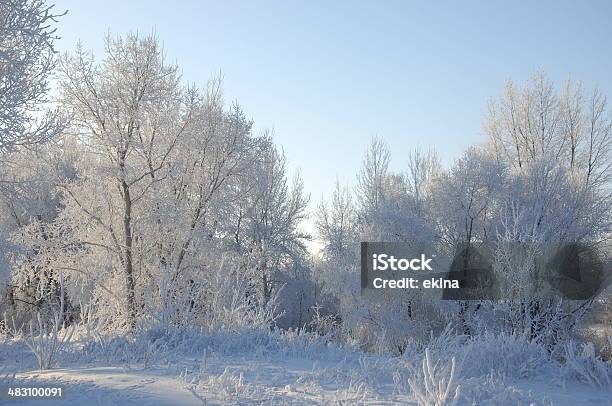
(436, 384)
(174, 306)
(47, 340)
(228, 386)
(354, 393)
(231, 306)
(328, 326)
(93, 330)
(583, 365)
(49, 336)
(493, 389)
(503, 354)
(509, 355)
(304, 344)
(445, 342)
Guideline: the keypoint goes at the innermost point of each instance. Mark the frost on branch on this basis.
(27, 59)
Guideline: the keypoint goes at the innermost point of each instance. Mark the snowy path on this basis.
(226, 381)
(240, 381)
(111, 386)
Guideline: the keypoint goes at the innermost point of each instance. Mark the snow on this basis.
(214, 377)
(111, 385)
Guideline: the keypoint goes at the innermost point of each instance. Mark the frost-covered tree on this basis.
(27, 59)
(336, 275)
(423, 168)
(373, 175)
(556, 147)
(464, 197)
(129, 113)
(537, 122)
(169, 185)
(336, 225)
(190, 209)
(392, 208)
(541, 179)
(29, 195)
(275, 211)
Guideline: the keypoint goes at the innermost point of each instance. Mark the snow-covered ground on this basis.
(280, 370)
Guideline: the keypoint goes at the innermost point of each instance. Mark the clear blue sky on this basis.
(329, 75)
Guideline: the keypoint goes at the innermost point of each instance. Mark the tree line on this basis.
(147, 201)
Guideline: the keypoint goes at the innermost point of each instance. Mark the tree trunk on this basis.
(128, 262)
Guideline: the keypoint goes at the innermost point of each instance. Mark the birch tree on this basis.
(539, 122)
(129, 113)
